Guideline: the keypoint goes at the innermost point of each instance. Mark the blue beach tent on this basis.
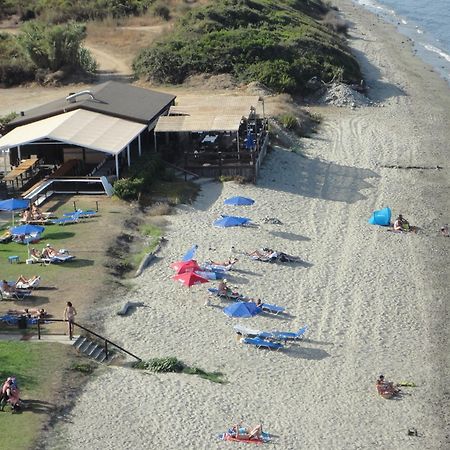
(381, 217)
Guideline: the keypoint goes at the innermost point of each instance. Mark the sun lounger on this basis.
(262, 343)
(289, 336)
(18, 294)
(66, 220)
(272, 309)
(35, 283)
(81, 214)
(245, 331)
(215, 291)
(210, 275)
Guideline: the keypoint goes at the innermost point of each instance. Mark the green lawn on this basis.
(37, 367)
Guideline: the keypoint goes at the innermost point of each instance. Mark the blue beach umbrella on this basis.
(190, 254)
(14, 204)
(27, 229)
(230, 221)
(242, 309)
(239, 201)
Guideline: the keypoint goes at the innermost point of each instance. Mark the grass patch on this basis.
(84, 368)
(172, 364)
(37, 367)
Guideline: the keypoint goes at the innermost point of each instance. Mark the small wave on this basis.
(432, 48)
(419, 31)
(404, 22)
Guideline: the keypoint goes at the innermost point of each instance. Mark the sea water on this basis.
(425, 22)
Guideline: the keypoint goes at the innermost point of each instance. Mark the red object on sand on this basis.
(189, 278)
(255, 440)
(185, 266)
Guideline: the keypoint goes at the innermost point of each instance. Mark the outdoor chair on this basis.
(289, 336)
(19, 294)
(262, 343)
(272, 309)
(35, 283)
(66, 220)
(81, 214)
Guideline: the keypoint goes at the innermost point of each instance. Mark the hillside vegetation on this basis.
(280, 43)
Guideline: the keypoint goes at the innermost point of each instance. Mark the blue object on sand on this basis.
(13, 204)
(239, 201)
(230, 221)
(242, 309)
(190, 254)
(381, 217)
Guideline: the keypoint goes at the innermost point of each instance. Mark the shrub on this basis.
(128, 188)
(170, 364)
(288, 121)
(161, 10)
(55, 47)
(280, 44)
(5, 120)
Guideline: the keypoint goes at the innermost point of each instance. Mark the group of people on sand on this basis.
(10, 394)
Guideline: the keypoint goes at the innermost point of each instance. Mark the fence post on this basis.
(74, 206)
(39, 329)
(96, 205)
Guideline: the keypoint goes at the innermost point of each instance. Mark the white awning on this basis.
(81, 128)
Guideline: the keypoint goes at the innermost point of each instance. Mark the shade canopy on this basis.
(230, 221)
(185, 266)
(381, 217)
(14, 204)
(189, 279)
(239, 201)
(27, 229)
(82, 128)
(242, 309)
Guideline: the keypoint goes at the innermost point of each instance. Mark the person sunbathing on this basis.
(386, 388)
(23, 282)
(36, 255)
(49, 252)
(230, 262)
(36, 213)
(401, 224)
(240, 432)
(225, 291)
(27, 215)
(31, 313)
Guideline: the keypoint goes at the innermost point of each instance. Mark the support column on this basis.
(117, 165)
(19, 155)
(154, 138)
(128, 155)
(139, 145)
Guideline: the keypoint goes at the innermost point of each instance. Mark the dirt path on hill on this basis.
(110, 66)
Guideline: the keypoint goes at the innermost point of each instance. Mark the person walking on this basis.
(69, 316)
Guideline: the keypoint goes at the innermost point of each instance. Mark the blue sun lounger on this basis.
(81, 214)
(284, 335)
(272, 309)
(259, 342)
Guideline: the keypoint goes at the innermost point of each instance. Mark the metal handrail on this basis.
(106, 341)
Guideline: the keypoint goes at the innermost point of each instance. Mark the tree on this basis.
(57, 46)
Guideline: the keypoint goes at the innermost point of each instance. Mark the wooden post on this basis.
(39, 329)
(139, 145)
(117, 165)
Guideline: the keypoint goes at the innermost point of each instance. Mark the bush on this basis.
(277, 43)
(170, 364)
(288, 121)
(128, 188)
(161, 10)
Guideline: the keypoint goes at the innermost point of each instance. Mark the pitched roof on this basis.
(112, 98)
(82, 128)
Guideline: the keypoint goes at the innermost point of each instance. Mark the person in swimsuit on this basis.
(69, 316)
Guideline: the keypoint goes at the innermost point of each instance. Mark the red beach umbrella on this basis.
(185, 266)
(189, 278)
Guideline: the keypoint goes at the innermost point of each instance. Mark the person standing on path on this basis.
(69, 316)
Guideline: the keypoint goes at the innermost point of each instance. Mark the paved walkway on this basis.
(59, 338)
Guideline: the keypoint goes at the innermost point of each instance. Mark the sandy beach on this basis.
(375, 302)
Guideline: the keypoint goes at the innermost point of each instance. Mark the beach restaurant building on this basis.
(214, 135)
(87, 135)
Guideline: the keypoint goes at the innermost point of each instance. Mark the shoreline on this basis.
(363, 321)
